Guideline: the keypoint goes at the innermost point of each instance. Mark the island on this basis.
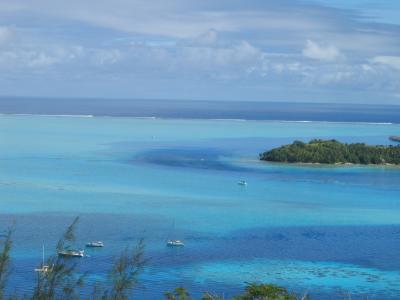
(395, 138)
(333, 152)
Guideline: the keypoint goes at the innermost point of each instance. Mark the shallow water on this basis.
(322, 229)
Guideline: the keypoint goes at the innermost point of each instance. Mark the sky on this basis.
(343, 51)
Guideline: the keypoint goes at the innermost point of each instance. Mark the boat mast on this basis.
(42, 254)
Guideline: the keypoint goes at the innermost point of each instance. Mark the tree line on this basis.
(333, 152)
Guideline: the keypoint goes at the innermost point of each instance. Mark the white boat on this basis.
(242, 182)
(72, 253)
(95, 244)
(175, 243)
(44, 268)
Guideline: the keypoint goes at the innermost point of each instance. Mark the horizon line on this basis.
(3, 97)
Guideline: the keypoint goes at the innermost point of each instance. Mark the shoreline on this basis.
(386, 165)
(316, 164)
(304, 164)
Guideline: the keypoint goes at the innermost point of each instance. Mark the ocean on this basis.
(189, 109)
(162, 170)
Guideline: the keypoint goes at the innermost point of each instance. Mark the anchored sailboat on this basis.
(174, 243)
(44, 268)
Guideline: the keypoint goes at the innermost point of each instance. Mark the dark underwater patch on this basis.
(208, 159)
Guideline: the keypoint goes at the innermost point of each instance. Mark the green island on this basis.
(395, 138)
(333, 152)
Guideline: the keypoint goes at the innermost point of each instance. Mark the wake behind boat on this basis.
(71, 253)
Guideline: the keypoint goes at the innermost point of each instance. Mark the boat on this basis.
(175, 243)
(95, 244)
(44, 268)
(71, 253)
(242, 182)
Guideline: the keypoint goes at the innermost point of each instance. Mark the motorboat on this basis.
(95, 244)
(242, 182)
(71, 253)
(175, 243)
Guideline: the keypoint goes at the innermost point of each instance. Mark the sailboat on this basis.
(44, 268)
(175, 243)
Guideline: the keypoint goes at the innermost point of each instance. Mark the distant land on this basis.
(395, 138)
(333, 152)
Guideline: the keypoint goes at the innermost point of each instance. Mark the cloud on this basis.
(5, 34)
(318, 52)
(283, 45)
(40, 59)
(208, 38)
(175, 18)
(391, 61)
(28, 58)
(107, 57)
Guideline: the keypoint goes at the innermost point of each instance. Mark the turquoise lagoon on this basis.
(327, 230)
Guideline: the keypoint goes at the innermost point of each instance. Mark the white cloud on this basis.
(336, 77)
(40, 59)
(179, 40)
(177, 19)
(391, 61)
(5, 34)
(107, 57)
(366, 67)
(21, 58)
(319, 52)
(210, 57)
(208, 38)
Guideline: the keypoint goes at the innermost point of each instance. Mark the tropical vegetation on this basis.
(333, 152)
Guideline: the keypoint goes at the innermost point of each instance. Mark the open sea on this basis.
(170, 170)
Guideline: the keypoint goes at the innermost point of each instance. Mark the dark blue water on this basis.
(358, 245)
(203, 109)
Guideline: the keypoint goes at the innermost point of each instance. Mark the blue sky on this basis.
(249, 50)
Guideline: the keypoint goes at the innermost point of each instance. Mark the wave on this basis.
(230, 119)
(49, 115)
(340, 122)
(192, 118)
(145, 118)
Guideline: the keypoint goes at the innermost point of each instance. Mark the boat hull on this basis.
(71, 254)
